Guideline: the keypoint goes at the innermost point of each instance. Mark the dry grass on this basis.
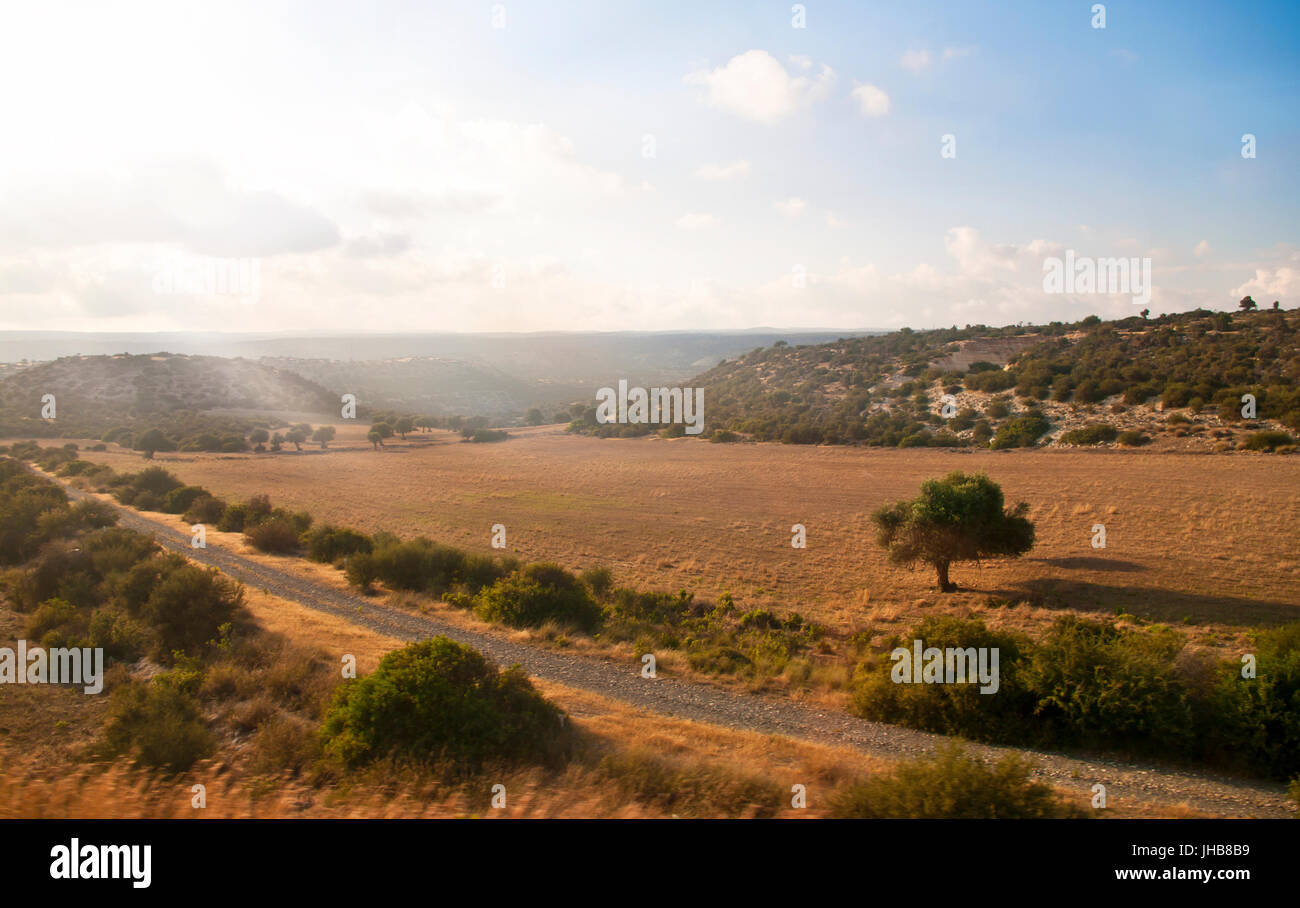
(50, 783)
(1207, 541)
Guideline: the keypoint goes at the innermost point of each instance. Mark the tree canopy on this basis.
(958, 518)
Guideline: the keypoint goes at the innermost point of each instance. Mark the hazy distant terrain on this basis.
(446, 374)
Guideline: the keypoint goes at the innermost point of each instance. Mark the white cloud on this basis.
(915, 60)
(873, 101)
(833, 221)
(803, 61)
(696, 221)
(187, 201)
(976, 258)
(755, 85)
(730, 171)
(1269, 284)
(1202, 249)
(954, 53)
(791, 207)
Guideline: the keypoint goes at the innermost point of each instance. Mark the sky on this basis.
(605, 166)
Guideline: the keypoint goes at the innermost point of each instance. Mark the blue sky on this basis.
(597, 166)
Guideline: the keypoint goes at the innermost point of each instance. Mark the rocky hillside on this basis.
(1176, 380)
(93, 392)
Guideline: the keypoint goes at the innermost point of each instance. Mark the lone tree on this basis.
(957, 518)
(151, 441)
(1247, 304)
(374, 438)
(324, 434)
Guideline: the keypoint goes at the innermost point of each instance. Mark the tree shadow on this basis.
(1092, 563)
(1167, 606)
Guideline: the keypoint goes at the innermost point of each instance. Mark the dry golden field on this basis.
(1209, 541)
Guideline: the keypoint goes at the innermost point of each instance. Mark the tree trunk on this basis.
(945, 585)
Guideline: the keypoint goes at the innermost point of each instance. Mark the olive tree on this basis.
(958, 518)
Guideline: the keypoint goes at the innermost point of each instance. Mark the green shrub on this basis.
(330, 543)
(119, 635)
(418, 565)
(952, 785)
(1095, 685)
(117, 549)
(538, 593)
(599, 579)
(188, 606)
(1254, 723)
(207, 510)
(1090, 435)
(159, 724)
(1021, 432)
(991, 381)
(362, 570)
(178, 501)
(62, 569)
(1132, 439)
(147, 501)
(278, 535)
(156, 480)
(233, 518)
(134, 588)
(950, 709)
(479, 571)
(1267, 441)
(56, 615)
(438, 700)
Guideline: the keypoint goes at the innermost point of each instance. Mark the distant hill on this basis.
(94, 392)
(492, 375)
(1014, 385)
(419, 384)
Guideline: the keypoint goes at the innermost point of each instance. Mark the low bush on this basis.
(330, 543)
(538, 593)
(1021, 432)
(206, 510)
(188, 606)
(1090, 435)
(159, 724)
(690, 790)
(439, 701)
(953, 785)
(1267, 441)
(950, 709)
(178, 501)
(278, 536)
